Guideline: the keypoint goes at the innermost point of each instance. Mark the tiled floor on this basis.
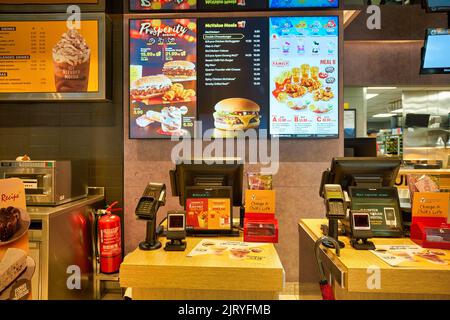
(292, 291)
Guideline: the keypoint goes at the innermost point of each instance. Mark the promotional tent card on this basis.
(431, 205)
(16, 267)
(260, 201)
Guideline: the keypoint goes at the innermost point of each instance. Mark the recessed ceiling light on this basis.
(383, 115)
(371, 95)
(397, 111)
(381, 88)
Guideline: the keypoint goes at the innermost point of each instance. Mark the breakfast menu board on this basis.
(233, 5)
(304, 77)
(163, 77)
(49, 57)
(235, 75)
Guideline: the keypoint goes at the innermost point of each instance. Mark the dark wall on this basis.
(81, 130)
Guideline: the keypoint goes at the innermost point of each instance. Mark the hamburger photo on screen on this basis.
(235, 114)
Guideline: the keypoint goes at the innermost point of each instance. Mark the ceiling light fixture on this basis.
(371, 95)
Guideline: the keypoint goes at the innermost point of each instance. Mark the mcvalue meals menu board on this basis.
(215, 5)
(235, 74)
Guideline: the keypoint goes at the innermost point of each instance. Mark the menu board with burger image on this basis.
(39, 58)
(233, 77)
(304, 77)
(304, 4)
(162, 77)
(155, 5)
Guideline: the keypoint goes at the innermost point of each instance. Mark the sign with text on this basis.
(41, 58)
(431, 205)
(16, 266)
(260, 201)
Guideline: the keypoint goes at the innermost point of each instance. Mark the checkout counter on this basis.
(213, 263)
(357, 273)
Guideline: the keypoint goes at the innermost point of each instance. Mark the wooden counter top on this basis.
(351, 269)
(174, 270)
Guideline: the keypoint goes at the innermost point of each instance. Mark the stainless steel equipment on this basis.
(49, 182)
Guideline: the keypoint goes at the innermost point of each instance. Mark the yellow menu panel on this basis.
(48, 57)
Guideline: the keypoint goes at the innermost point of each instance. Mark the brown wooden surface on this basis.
(396, 282)
(176, 276)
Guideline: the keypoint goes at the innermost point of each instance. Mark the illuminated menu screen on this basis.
(232, 5)
(234, 74)
(47, 57)
(304, 77)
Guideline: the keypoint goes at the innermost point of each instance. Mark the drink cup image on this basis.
(239, 253)
(71, 62)
(171, 119)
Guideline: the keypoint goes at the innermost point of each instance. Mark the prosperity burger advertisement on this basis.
(155, 5)
(163, 73)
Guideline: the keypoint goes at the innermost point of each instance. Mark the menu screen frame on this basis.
(99, 95)
(268, 6)
(99, 6)
(242, 14)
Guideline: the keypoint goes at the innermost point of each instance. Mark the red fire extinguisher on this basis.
(110, 240)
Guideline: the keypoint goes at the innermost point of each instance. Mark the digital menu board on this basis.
(234, 74)
(163, 77)
(232, 5)
(44, 59)
(304, 77)
(304, 4)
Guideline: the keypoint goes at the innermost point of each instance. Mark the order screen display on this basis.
(278, 74)
(234, 5)
(438, 45)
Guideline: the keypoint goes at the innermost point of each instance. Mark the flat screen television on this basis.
(435, 57)
(417, 120)
(221, 76)
(437, 5)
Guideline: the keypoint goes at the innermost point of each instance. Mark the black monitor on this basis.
(437, 5)
(364, 172)
(360, 147)
(435, 57)
(417, 120)
(208, 173)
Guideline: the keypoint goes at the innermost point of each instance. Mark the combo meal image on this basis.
(303, 88)
(235, 114)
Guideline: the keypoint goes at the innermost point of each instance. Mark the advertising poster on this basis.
(304, 75)
(163, 77)
(208, 214)
(48, 57)
(304, 4)
(232, 5)
(412, 256)
(234, 75)
(48, 2)
(16, 266)
(138, 5)
(350, 123)
(248, 252)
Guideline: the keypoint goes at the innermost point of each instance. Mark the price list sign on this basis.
(47, 57)
(233, 74)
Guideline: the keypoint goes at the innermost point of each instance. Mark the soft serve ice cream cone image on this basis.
(71, 61)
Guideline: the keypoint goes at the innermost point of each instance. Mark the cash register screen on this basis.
(176, 222)
(361, 221)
